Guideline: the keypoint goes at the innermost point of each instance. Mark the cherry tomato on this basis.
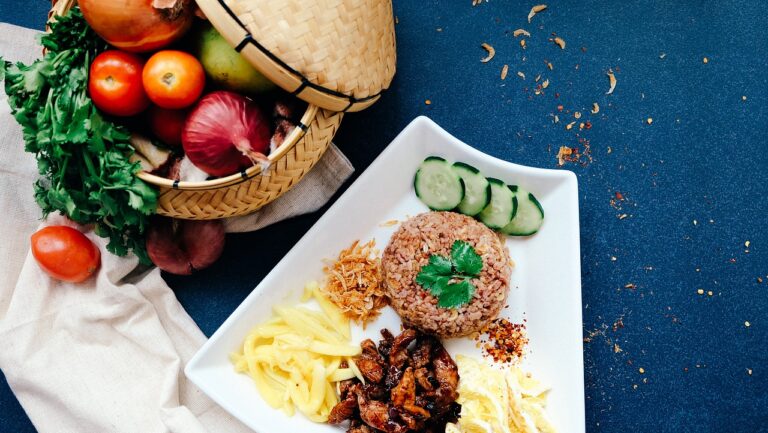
(114, 83)
(173, 79)
(65, 254)
(167, 124)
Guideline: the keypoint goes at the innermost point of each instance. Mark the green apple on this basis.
(225, 66)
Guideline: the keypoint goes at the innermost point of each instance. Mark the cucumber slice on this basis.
(502, 207)
(438, 185)
(530, 215)
(477, 189)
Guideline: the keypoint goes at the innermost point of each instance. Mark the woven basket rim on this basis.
(293, 137)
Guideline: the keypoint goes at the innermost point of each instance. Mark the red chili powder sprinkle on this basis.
(503, 341)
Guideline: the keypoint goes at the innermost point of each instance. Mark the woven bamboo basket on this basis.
(336, 55)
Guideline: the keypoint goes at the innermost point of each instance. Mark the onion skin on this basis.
(137, 25)
(182, 247)
(225, 133)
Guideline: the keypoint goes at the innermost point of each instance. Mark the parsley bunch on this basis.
(448, 278)
(83, 158)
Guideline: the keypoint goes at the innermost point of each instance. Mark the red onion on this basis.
(225, 133)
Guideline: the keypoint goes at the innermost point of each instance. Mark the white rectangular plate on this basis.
(545, 286)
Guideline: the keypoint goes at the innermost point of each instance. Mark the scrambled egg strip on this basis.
(499, 401)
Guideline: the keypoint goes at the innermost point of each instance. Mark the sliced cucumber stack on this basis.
(502, 208)
(529, 217)
(438, 185)
(477, 189)
(460, 187)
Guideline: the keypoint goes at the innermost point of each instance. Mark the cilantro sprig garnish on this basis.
(83, 158)
(449, 278)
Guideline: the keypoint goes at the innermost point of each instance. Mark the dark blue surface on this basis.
(694, 184)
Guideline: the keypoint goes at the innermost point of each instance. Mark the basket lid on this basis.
(336, 54)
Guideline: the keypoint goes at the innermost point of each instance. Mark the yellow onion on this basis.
(138, 25)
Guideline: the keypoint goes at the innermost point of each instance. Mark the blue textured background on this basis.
(694, 184)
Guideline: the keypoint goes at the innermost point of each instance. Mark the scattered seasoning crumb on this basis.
(519, 32)
(564, 154)
(577, 115)
(557, 119)
(503, 341)
(610, 149)
(595, 108)
(662, 55)
(549, 65)
(534, 10)
(389, 223)
(559, 42)
(504, 71)
(569, 126)
(709, 293)
(746, 244)
(588, 125)
(560, 108)
(491, 52)
(581, 126)
(743, 98)
(705, 60)
(695, 222)
(397, 20)
(522, 43)
(630, 286)
(439, 29)
(759, 280)
(616, 348)
(521, 75)
(634, 386)
(746, 324)
(538, 77)
(611, 81)
(641, 370)
(545, 83)
(619, 196)
(700, 291)
(749, 371)
(613, 258)
(428, 102)
(649, 120)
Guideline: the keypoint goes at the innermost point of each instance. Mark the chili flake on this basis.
(503, 341)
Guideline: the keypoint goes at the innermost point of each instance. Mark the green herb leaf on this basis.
(456, 295)
(440, 286)
(83, 158)
(448, 279)
(466, 259)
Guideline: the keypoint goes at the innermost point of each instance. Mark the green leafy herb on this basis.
(449, 278)
(83, 158)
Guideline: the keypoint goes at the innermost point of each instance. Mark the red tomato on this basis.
(173, 79)
(167, 124)
(65, 254)
(114, 83)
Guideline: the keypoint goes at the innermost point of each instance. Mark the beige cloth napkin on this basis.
(107, 355)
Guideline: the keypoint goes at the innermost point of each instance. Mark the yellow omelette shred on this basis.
(499, 400)
(296, 357)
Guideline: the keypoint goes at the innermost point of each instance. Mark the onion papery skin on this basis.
(225, 133)
(136, 25)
